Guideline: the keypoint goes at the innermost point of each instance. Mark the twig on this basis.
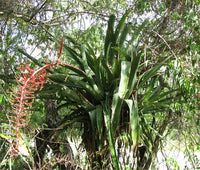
(35, 12)
(166, 44)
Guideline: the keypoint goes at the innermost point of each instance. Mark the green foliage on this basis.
(111, 58)
(95, 81)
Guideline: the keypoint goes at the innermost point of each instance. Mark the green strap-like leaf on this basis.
(110, 42)
(30, 57)
(79, 72)
(106, 112)
(89, 57)
(149, 89)
(58, 78)
(135, 60)
(90, 51)
(138, 31)
(84, 59)
(72, 82)
(152, 72)
(124, 78)
(116, 68)
(107, 70)
(124, 34)
(100, 125)
(92, 115)
(73, 54)
(120, 26)
(116, 110)
(70, 39)
(93, 91)
(134, 121)
(98, 77)
(109, 33)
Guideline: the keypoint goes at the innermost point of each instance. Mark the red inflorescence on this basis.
(28, 82)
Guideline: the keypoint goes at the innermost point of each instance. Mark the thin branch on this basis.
(35, 12)
(166, 44)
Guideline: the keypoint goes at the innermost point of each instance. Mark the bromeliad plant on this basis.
(103, 87)
(103, 84)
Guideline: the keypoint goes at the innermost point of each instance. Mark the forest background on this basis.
(99, 84)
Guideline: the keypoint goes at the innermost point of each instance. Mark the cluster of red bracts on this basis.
(28, 82)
